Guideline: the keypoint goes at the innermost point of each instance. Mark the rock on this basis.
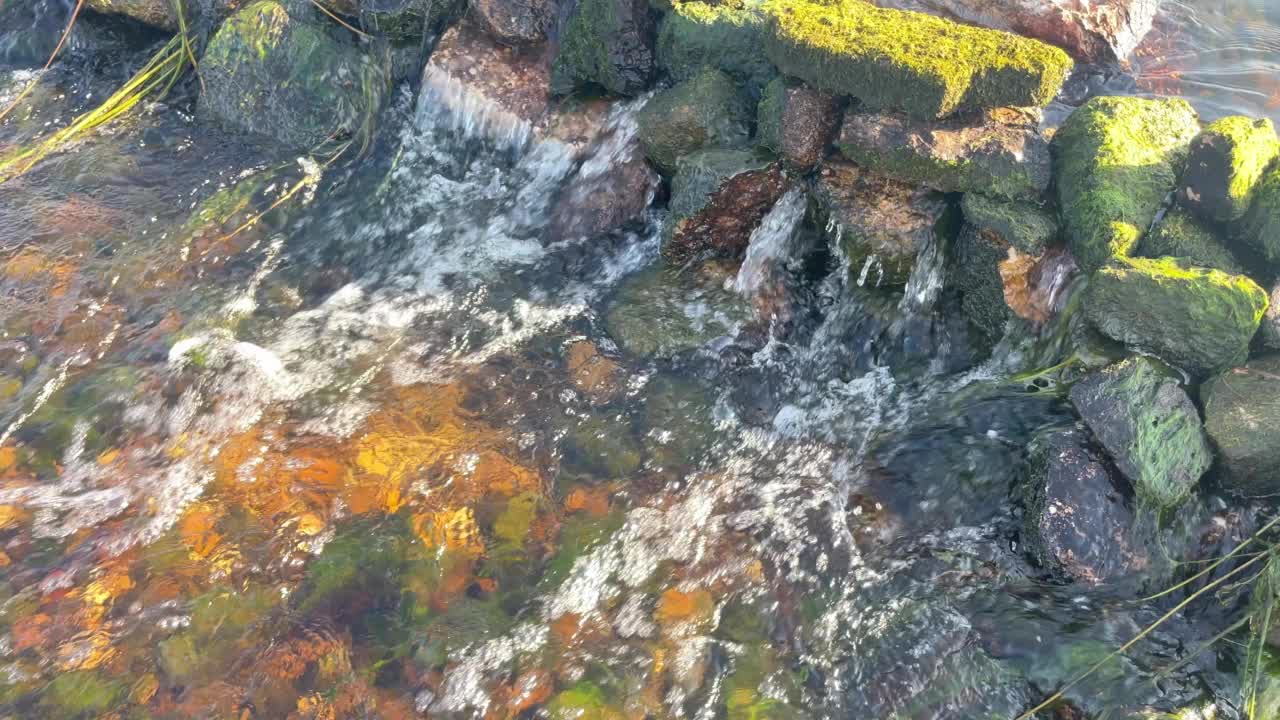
(1198, 319)
(1179, 234)
(797, 122)
(333, 88)
(697, 113)
(1098, 31)
(399, 20)
(607, 44)
(1140, 414)
(717, 198)
(850, 47)
(725, 36)
(1241, 415)
(1270, 330)
(1118, 158)
(662, 312)
(610, 189)
(1000, 154)
(1260, 228)
(881, 224)
(678, 421)
(162, 14)
(1224, 166)
(515, 22)
(1076, 522)
(1025, 226)
(602, 447)
(975, 262)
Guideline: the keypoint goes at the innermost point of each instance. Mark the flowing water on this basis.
(377, 455)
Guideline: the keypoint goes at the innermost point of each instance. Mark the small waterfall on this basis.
(471, 113)
(772, 243)
(926, 279)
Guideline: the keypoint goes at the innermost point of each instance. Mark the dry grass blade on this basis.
(48, 63)
(339, 20)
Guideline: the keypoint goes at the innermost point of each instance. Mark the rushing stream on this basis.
(379, 455)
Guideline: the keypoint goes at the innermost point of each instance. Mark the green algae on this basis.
(1118, 159)
(79, 694)
(702, 111)
(602, 447)
(1198, 319)
(925, 66)
(1260, 227)
(1025, 226)
(976, 278)
(725, 36)
(584, 700)
(1182, 235)
(1226, 162)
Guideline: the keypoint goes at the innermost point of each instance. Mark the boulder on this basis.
(850, 47)
(332, 87)
(1181, 235)
(1224, 166)
(1118, 158)
(1076, 522)
(515, 22)
(726, 36)
(606, 44)
(399, 20)
(1241, 414)
(1260, 228)
(161, 14)
(611, 188)
(879, 224)
(797, 122)
(1140, 414)
(661, 312)
(1027, 227)
(1000, 153)
(1099, 31)
(1270, 330)
(1198, 319)
(718, 197)
(706, 110)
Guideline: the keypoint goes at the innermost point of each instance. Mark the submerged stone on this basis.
(1076, 522)
(925, 66)
(1260, 228)
(1026, 226)
(612, 188)
(515, 22)
(1198, 319)
(602, 447)
(1270, 330)
(1140, 414)
(1000, 153)
(661, 312)
(162, 14)
(1242, 417)
(1224, 166)
(975, 274)
(1118, 158)
(718, 197)
(332, 88)
(725, 36)
(706, 110)
(1181, 235)
(797, 122)
(606, 44)
(881, 224)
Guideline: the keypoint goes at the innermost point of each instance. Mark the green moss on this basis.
(1195, 318)
(660, 312)
(723, 35)
(1228, 159)
(1181, 235)
(975, 275)
(769, 116)
(605, 44)
(602, 447)
(1118, 159)
(1025, 226)
(213, 638)
(79, 694)
(1261, 225)
(703, 111)
(925, 66)
(583, 701)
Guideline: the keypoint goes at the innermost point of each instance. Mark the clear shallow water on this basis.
(379, 456)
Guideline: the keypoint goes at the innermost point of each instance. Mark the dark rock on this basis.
(1118, 158)
(975, 274)
(1242, 417)
(162, 14)
(881, 224)
(1076, 523)
(396, 19)
(726, 36)
(1140, 414)
(1001, 153)
(717, 198)
(1270, 330)
(1224, 166)
(1181, 235)
(1198, 319)
(706, 110)
(333, 88)
(661, 312)
(606, 44)
(1096, 31)
(611, 188)
(1025, 226)
(797, 122)
(515, 22)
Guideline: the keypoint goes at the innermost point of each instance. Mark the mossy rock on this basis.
(80, 694)
(925, 66)
(1224, 166)
(603, 447)
(1118, 158)
(662, 312)
(718, 198)
(1181, 235)
(213, 639)
(583, 701)
(272, 71)
(1198, 319)
(161, 14)
(1242, 417)
(975, 275)
(726, 36)
(677, 420)
(1026, 226)
(705, 110)
(606, 44)
(1260, 228)
(1140, 414)
(797, 122)
(769, 110)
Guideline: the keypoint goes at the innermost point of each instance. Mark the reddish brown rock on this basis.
(611, 188)
(798, 122)
(1091, 30)
(718, 197)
